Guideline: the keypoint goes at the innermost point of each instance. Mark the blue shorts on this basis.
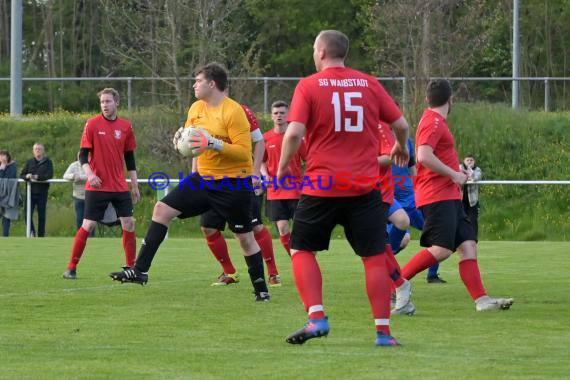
(394, 207)
(416, 218)
(390, 227)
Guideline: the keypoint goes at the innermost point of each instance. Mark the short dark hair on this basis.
(438, 92)
(111, 91)
(279, 103)
(7, 154)
(336, 43)
(469, 156)
(216, 72)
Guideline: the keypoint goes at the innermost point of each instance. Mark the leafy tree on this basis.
(286, 30)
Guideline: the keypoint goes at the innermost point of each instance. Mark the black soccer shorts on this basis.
(280, 209)
(446, 225)
(233, 205)
(96, 203)
(214, 220)
(363, 218)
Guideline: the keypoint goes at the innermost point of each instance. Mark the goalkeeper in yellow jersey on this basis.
(222, 182)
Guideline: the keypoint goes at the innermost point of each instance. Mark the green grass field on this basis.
(178, 327)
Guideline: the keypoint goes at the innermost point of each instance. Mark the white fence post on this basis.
(130, 94)
(28, 209)
(265, 95)
(165, 194)
(404, 83)
(546, 96)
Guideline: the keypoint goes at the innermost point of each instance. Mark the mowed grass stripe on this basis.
(178, 326)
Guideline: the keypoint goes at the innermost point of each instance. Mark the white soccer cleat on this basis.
(408, 309)
(403, 295)
(487, 303)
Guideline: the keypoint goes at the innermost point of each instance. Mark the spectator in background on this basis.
(39, 168)
(7, 199)
(471, 192)
(76, 174)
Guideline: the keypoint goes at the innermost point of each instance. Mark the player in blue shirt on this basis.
(404, 198)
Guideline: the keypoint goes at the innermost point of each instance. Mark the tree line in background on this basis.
(168, 39)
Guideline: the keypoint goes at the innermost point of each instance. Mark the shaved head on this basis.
(334, 42)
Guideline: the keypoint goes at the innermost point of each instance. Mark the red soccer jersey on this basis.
(108, 141)
(340, 108)
(387, 141)
(432, 187)
(253, 124)
(273, 143)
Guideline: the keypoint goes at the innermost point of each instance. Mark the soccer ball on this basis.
(191, 140)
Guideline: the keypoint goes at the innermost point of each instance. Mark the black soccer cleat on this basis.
(130, 274)
(262, 297)
(435, 280)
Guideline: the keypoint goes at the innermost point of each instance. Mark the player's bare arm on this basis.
(291, 143)
(428, 158)
(135, 193)
(263, 171)
(399, 154)
(258, 152)
(93, 180)
(132, 173)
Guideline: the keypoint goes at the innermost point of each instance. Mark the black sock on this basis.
(154, 237)
(255, 270)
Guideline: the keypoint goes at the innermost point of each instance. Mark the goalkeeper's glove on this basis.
(176, 137)
(197, 137)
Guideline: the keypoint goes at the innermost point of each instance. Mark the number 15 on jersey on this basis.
(346, 105)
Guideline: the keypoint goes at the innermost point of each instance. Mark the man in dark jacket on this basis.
(39, 168)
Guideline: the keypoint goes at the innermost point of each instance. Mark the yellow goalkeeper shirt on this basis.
(226, 122)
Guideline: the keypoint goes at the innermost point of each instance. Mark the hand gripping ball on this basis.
(192, 142)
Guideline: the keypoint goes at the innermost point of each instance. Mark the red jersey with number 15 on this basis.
(432, 187)
(340, 108)
(108, 141)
